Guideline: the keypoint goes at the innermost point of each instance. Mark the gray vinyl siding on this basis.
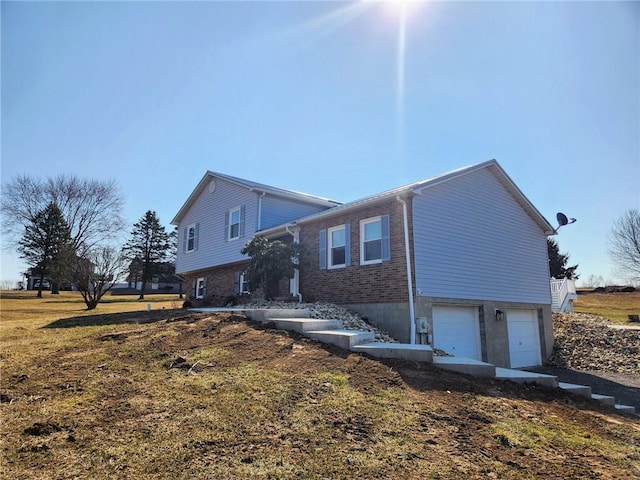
(276, 211)
(208, 211)
(472, 240)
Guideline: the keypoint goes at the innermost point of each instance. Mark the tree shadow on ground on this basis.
(119, 318)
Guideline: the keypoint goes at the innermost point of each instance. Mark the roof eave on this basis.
(251, 186)
(346, 207)
(194, 194)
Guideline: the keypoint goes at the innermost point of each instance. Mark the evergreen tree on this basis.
(271, 262)
(150, 243)
(46, 242)
(558, 262)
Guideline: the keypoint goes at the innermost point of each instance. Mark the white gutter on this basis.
(296, 274)
(407, 254)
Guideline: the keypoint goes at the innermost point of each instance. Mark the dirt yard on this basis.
(171, 395)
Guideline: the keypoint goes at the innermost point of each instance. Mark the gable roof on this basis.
(418, 187)
(251, 186)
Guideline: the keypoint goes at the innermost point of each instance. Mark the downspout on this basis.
(296, 275)
(407, 254)
(260, 211)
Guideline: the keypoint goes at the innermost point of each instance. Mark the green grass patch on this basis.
(615, 306)
(207, 354)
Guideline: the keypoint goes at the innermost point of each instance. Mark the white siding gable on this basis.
(473, 240)
(208, 212)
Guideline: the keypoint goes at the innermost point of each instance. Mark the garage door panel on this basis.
(455, 330)
(524, 338)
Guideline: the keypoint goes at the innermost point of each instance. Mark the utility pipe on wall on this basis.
(407, 254)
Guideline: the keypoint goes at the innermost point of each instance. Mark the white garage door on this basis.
(524, 338)
(456, 331)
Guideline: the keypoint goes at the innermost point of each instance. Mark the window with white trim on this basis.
(337, 242)
(371, 241)
(201, 287)
(243, 284)
(191, 238)
(234, 224)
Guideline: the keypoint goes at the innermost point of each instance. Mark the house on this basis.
(458, 261)
(164, 279)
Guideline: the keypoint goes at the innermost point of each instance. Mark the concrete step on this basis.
(465, 365)
(520, 376)
(344, 339)
(583, 390)
(604, 399)
(302, 325)
(266, 314)
(625, 408)
(401, 351)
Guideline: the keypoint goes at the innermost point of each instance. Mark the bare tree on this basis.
(594, 281)
(96, 272)
(625, 244)
(92, 208)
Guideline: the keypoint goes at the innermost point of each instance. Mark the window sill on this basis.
(371, 262)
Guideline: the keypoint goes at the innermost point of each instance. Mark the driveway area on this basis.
(625, 388)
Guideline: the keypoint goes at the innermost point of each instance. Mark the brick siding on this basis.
(220, 284)
(378, 283)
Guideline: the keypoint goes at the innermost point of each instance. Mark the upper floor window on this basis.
(374, 240)
(234, 224)
(191, 238)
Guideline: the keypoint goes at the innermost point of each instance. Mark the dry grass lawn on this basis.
(614, 306)
(120, 393)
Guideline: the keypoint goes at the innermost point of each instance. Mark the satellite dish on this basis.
(562, 219)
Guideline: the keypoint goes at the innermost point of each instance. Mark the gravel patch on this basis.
(328, 311)
(587, 342)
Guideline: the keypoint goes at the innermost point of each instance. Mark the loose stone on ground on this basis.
(587, 342)
(328, 311)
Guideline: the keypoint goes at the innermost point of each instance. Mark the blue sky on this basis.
(319, 97)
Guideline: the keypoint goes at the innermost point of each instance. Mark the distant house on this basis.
(458, 260)
(33, 278)
(164, 280)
